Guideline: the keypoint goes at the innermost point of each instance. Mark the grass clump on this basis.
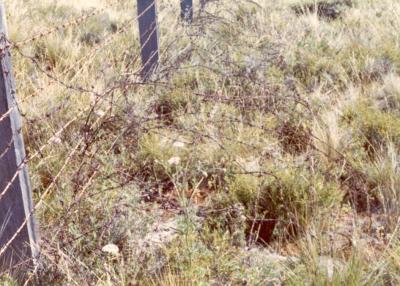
(289, 197)
(377, 128)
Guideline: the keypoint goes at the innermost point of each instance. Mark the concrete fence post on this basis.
(187, 10)
(148, 29)
(18, 234)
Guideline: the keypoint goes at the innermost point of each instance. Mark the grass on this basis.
(269, 137)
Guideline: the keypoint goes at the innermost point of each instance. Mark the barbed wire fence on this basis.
(19, 237)
(93, 124)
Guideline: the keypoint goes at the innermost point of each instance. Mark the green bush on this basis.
(291, 196)
(374, 128)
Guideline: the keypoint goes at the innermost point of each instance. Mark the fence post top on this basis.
(3, 19)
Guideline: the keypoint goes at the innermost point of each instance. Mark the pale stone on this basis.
(55, 140)
(178, 144)
(111, 249)
(174, 161)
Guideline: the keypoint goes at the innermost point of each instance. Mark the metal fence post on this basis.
(187, 10)
(18, 235)
(148, 29)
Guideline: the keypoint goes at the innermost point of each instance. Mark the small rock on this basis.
(174, 161)
(178, 144)
(55, 140)
(111, 249)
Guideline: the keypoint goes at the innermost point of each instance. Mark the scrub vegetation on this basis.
(264, 151)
